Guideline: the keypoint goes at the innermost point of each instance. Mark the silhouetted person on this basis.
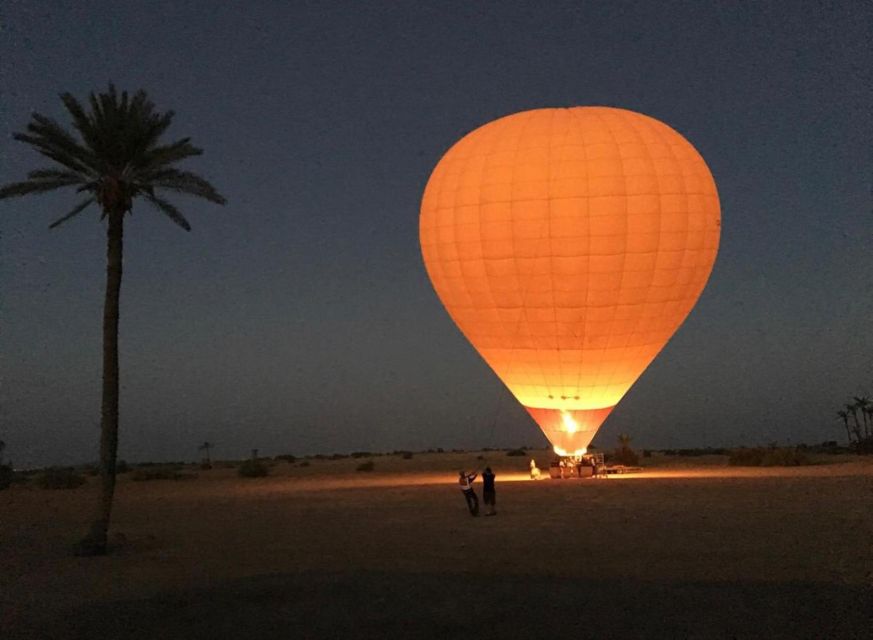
(466, 481)
(489, 495)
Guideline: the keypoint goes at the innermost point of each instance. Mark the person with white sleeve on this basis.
(466, 481)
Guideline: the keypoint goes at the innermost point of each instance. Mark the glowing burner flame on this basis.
(569, 423)
(570, 454)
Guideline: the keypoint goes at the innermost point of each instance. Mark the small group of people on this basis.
(578, 467)
(489, 495)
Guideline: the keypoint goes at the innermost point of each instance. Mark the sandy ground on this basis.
(689, 548)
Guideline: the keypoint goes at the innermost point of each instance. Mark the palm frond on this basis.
(185, 182)
(52, 135)
(158, 157)
(59, 155)
(77, 210)
(81, 121)
(168, 209)
(43, 174)
(157, 125)
(17, 189)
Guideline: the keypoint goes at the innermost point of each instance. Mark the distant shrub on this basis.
(338, 456)
(864, 446)
(768, 457)
(59, 478)
(626, 456)
(205, 466)
(366, 466)
(305, 463)
(407, 455)
(623, 454)
(253, 469)
(5, 476)
(160, 473)
(480, 457)
(122, 467)
(516, 453)
(287, 458)
(361, 454)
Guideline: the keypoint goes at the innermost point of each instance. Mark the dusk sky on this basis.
(299, 317)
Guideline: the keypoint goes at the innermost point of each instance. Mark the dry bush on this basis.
(60, 478)
(767, 457)
(253, 469)
(5, 476)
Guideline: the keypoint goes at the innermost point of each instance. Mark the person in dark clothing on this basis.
(466, 481)
(489, 496)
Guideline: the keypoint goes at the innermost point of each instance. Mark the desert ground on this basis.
(689, 548)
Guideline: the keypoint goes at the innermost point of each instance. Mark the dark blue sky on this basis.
(299, 317)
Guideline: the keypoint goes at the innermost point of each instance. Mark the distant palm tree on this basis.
(853, 409)
(624, 440)
(2, 449)
(863, 404)
(844, 415)
(115, 159)
(869, 413)
(206, 446)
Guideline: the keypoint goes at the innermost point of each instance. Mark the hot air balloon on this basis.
(568, 245)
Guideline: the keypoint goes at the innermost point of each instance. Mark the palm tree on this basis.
(863, 404)
(116, 158)
(844, 415)
(853, 409)
(206, 446)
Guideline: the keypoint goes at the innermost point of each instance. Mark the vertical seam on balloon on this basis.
(539, 364)
(523, 308)
(573, 120)
(672, 291)
(460, 167)
(649, 125)
(623, 115)
(488, 151)
(556, 342)
(575, 115)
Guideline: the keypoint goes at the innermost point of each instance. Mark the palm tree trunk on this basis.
(95, 541)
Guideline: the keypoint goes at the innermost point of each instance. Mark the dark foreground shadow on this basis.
(381, 605)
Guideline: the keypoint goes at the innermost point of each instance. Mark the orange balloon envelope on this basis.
(568, 245)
